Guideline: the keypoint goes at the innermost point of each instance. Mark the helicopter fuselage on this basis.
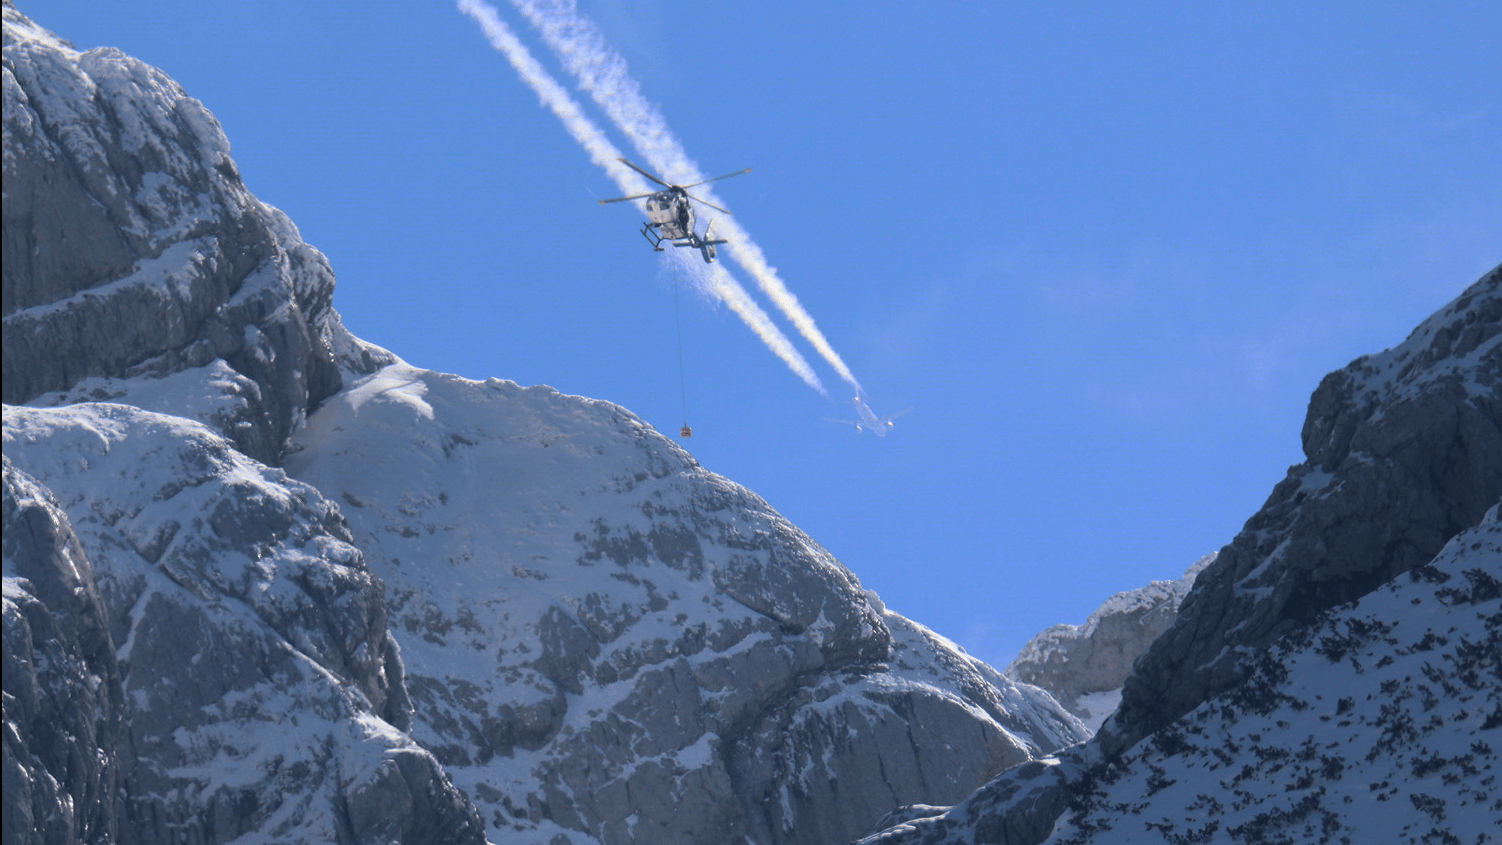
(670, 217)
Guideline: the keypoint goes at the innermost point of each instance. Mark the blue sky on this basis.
(1105, 252)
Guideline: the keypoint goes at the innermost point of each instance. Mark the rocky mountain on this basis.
(216, 643)
(132, 249)
(267, 583)
(1085, 666)
(1342, 648)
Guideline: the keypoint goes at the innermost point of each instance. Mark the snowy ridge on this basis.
(1237, 722)
(1047, 643)
(1404, 450)
(132, 247)
(586, 615)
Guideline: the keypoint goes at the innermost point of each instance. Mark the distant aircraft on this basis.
(671, 215)
(866, 419)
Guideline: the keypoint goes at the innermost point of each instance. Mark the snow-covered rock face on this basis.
(63, 702)
(603, 638)
(233, 666)
(1376, 724)
(1084, 666)
(1405, 453)
(132, 248)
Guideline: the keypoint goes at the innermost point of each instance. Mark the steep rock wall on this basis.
(63, 699)
(1404, 453)
(131, 247)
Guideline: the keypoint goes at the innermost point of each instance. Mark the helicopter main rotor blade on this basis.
(705, 202)
(644, 173)
(623, 199)
(716, 179)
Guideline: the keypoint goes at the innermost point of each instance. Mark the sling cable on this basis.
(682, 380)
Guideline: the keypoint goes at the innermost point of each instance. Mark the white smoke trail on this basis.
(603, 73)
(602, 152)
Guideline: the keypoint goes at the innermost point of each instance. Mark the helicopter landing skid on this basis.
(656, 242)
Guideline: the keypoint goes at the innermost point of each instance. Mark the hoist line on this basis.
(682, 379)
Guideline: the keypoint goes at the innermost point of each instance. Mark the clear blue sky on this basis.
(1105, 251)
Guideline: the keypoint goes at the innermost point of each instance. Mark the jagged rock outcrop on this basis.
(1084, 666)
(1404, 452)
(200, 651)
(131, 247)
(63, 699)
(607, 643)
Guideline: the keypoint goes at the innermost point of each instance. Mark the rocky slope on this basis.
(1404, 453)
(1085, 666)
(223, 649)
(264, 582)
(603, 637)
(1376, 724)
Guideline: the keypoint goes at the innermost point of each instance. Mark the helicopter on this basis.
(866, 419)
(670, 215)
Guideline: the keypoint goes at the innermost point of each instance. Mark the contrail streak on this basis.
(603, 73)
(602, 152)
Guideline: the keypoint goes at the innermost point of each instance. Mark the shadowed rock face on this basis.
(1404, 453)
(131, 246)
(63, 700)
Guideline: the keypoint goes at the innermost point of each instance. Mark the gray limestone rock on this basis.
(63, 700)
(131, 247)
(1404, 451)
(1084, 666)
(607, 643)
(245, 639)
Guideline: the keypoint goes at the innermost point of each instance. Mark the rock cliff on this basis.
(63, 700)
(1084, 666)
(200, 653)
(1404, 454)
(1375, 724)
(131, 248)
(1404, 451)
